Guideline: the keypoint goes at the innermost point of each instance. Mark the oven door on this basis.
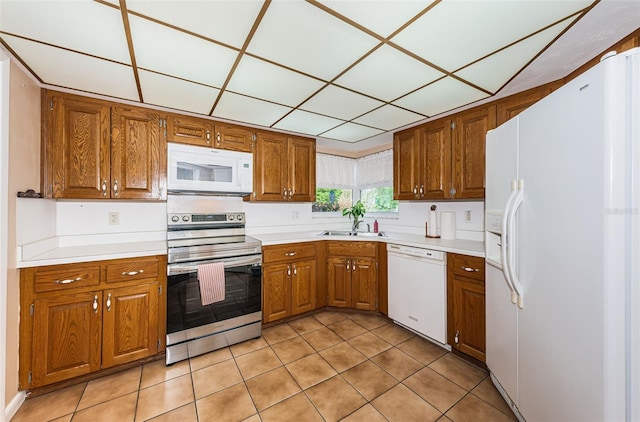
(188, 319)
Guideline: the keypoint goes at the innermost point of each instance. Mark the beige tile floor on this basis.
(327, 367)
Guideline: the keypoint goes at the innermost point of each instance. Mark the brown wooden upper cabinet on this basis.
(443, 159)
(207, 133)
(97, 150)
(284, 168)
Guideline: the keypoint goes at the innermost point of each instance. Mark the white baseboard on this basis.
(11, 410)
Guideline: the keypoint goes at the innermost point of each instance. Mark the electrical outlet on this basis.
(294, 215)
(114, 218)
(468, 217)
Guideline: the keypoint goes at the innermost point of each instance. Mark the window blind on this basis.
(375, 170)
(333, 171)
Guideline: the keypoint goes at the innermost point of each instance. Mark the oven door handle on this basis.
(173, 269)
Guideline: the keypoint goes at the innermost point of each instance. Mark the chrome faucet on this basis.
(368, 228)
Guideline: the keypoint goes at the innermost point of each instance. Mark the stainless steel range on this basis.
(194, 239)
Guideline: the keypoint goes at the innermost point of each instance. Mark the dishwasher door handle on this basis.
(436, 261)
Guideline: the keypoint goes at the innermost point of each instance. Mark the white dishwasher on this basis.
(418, 290)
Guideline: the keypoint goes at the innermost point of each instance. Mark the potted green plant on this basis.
(357, 212)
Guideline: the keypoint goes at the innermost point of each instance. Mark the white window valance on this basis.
(333, 171)
(375, 170)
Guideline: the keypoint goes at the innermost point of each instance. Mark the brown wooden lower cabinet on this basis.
(466, 305)
(74, 320)
(289, 280)
(352, 275)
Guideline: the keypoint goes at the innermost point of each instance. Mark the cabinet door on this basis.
(76, 159)
(66, 337)
(339, 281)
(302, 170)
(435, 160)
(469, 317)
(138, 154)
(363, 283)
(276, 280)
(189, 130)
(469, 149)
(405, 165)
(270, 167)
(515, 104)
(303, 286)
(130, 324)
(234, 138)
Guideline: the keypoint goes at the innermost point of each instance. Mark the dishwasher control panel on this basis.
(417, 252)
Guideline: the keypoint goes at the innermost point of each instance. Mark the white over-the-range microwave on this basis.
(193, 169)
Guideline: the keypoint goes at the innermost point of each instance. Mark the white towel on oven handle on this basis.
(212, 282)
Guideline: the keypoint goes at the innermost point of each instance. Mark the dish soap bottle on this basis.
(375, 226)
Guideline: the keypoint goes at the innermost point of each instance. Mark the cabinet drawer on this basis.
(467, 266)
(288, 252)
(352, 249)
(132, 269)
(66, 277)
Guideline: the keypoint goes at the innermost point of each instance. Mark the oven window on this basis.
(184, 307)
(204, 173)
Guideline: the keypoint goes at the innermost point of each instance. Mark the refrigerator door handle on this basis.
(506, 241)
(517, 201)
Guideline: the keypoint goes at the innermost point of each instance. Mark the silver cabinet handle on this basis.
(295, 270)
(348, 265)
(104, 187)
(95, 304)
(456, 339)
(353, 265)
(422, 190)
(284, 193)
(132, 273)
(470, 270)
(290, 193)
(218, 137)
(289, 270)
(415, 190)
(290, 253)
(109, 302)
(208, 137)
(115, 187)
(452, 192)
(68, 280)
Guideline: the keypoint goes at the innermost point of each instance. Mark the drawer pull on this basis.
(109, 302)
(470, 270)
(290, 253)
(95, 304)
(132, 273)
(68, 280)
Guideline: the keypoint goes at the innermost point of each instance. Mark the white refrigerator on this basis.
(562, 221)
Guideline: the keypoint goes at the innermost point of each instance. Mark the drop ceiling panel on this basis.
(175, 93)
(226, 21)
(269, 82)
(307, 123)
(175, 53)
(389, 117)
(351, 132)
(443, 95)
(303, 37)
(455, 33)
(64, 68)
(388, 74)
(492, 72)
(340, 103)
(83, 26)
(250, 110)
(368, 13)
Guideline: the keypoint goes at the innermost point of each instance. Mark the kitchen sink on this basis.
(350, 233)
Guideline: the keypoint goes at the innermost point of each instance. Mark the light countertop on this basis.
(460, 246)
(100, 252)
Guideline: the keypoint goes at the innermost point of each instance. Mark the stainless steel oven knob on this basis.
(239, 217)
(175, 219)
(231, 217)
(185, 218)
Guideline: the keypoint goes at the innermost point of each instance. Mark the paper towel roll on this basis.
(448, 225)
(431, 226)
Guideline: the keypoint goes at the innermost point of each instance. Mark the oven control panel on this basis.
(183, 219)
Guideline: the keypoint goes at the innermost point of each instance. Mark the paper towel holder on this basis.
(426, 231)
